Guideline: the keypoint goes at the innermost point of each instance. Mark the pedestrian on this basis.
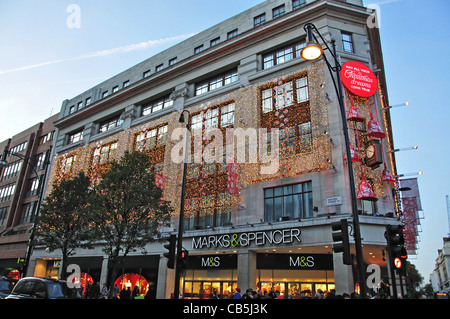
(237, 294)
(135, 292)
(94, 292)
(104, 292)
(215, 295)
(115, 292)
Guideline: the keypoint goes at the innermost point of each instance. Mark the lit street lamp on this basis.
(312, 52)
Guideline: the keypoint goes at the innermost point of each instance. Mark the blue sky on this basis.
(43, 62)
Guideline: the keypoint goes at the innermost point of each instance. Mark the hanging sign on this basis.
(358, 79)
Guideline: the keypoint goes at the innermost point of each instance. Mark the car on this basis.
(38, 288)
(6, 285)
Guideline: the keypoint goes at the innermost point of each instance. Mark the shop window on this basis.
(132, 282)
(288, 202)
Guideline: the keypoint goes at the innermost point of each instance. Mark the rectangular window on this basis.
(216, 117)
(88, 101)
(297, 4)
(151, 138)
(67, 164)
(157, 105)
(115, 89)
(104, 154)
(232, 34)
(75, 137)
(347, 42)
(259, 20)
(215, 41)
(125, 84)
(278, 11)
(3, 213)
(172, 61)
(146, 74)
(11, 170)
(208, 211)
(282, 55)
(216, 82)
(281, 96)
(6, 192)
(28, 213)
(198, 49)
(33, 187)
(159, 68)
(104, 94)
(110, 124)
(288, 202)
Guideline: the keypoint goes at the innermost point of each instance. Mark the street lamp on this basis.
(181, 218)
(311, 52)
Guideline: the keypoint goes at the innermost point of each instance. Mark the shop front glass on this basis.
(202, 284)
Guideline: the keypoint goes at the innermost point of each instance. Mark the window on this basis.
(297, 4)
(46, 138)
(215, 41)
(282, 96)
(125, 84)
(67, 164)
(208, 211)
(159, 68)
(72, 109)
(259, 20)
(347, 42)
(288, 202)
(172, 61)
(6, 192)
(11, 170)
(110, 124)
(278, 12)
(219, 117)
(39, 160)
(232, 34)
(216, 82)
(115, 89)
(198, 49)
(3, 213)
(104, 154)
(105, 94)
(282, 55)
(293, 140)
(151, 138)
(18, 148)
(80, 105)
(88, 101)
(34, 187)
(157, 105)
(28, 213)
(146, 74)
(75, 137)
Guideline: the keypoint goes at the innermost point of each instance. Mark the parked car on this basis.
(6, 285)
(38, 288)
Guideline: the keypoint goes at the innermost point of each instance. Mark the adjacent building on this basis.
(257, 222)
(22, 175)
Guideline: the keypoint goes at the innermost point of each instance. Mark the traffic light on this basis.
(396, 248)
(340, 237)
(171, 247)
(184, 259)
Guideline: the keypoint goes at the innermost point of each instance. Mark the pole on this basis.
(356, 225)
(181, 218)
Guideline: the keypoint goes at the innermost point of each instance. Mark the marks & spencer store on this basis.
(261, 260)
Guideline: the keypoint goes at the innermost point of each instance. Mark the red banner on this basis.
(232, 178)
(160, 181)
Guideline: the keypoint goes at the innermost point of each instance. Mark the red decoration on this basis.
(386, 176)
(232, 177)
(365, 191)
(374, 129)
(160, 181)
(355, 157)
(353, 114)
(359, 79)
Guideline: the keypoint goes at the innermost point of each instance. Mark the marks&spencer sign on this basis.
(257, 238)
(295, 261)
(359, 79)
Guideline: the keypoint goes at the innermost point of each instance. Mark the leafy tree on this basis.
(128, 210)
(64, 221)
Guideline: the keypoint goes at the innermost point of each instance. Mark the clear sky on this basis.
(43, 62)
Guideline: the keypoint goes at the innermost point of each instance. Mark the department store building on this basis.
(260, 229)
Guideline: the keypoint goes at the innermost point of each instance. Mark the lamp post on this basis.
(176, 292)
(312, 51)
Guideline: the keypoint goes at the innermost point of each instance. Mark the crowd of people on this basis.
(275, 294)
